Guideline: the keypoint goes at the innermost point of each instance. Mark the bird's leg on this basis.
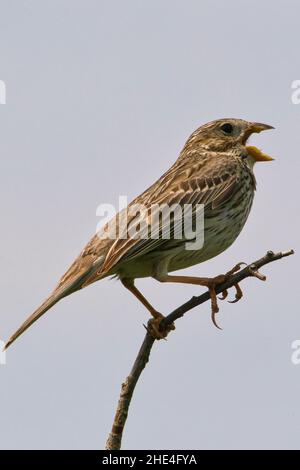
(154, 324)
(209, 282)
(129, 284)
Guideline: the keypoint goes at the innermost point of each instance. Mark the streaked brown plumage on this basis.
(214, 169)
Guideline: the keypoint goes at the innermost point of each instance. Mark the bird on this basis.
(214, 171)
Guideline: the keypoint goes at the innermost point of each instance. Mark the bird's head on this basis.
(229, 135)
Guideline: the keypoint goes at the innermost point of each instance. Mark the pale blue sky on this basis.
(101, 96)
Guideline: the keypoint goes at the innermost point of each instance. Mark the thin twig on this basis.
(115, 436)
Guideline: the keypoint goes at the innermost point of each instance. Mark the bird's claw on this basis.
(219, 280)
(224, 295)
(214, 306)
(238, 294)
(235, 269)
(155, 330)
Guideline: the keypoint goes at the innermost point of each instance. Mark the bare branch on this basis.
(249, 271)
(115, 437)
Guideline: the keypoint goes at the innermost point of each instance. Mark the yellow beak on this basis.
(254, 152)
(258, 155)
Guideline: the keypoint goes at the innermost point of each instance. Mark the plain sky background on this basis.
(101, 96)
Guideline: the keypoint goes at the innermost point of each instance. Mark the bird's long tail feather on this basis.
(60, 292)
(46, 305)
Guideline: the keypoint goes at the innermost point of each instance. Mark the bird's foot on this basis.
(239, 292)
(155, 329)
(214, 282)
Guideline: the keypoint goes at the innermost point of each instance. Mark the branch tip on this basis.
(115, 437)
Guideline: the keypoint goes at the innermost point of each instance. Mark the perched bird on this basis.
(214, 171)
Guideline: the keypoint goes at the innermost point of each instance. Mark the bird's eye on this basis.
(227, 128)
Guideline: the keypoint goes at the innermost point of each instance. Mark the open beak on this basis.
(254, 152)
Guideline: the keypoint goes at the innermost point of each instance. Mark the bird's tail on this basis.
(46, 305)
(65, 288)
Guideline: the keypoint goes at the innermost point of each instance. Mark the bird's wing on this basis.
(93, 254)
(197, 182)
